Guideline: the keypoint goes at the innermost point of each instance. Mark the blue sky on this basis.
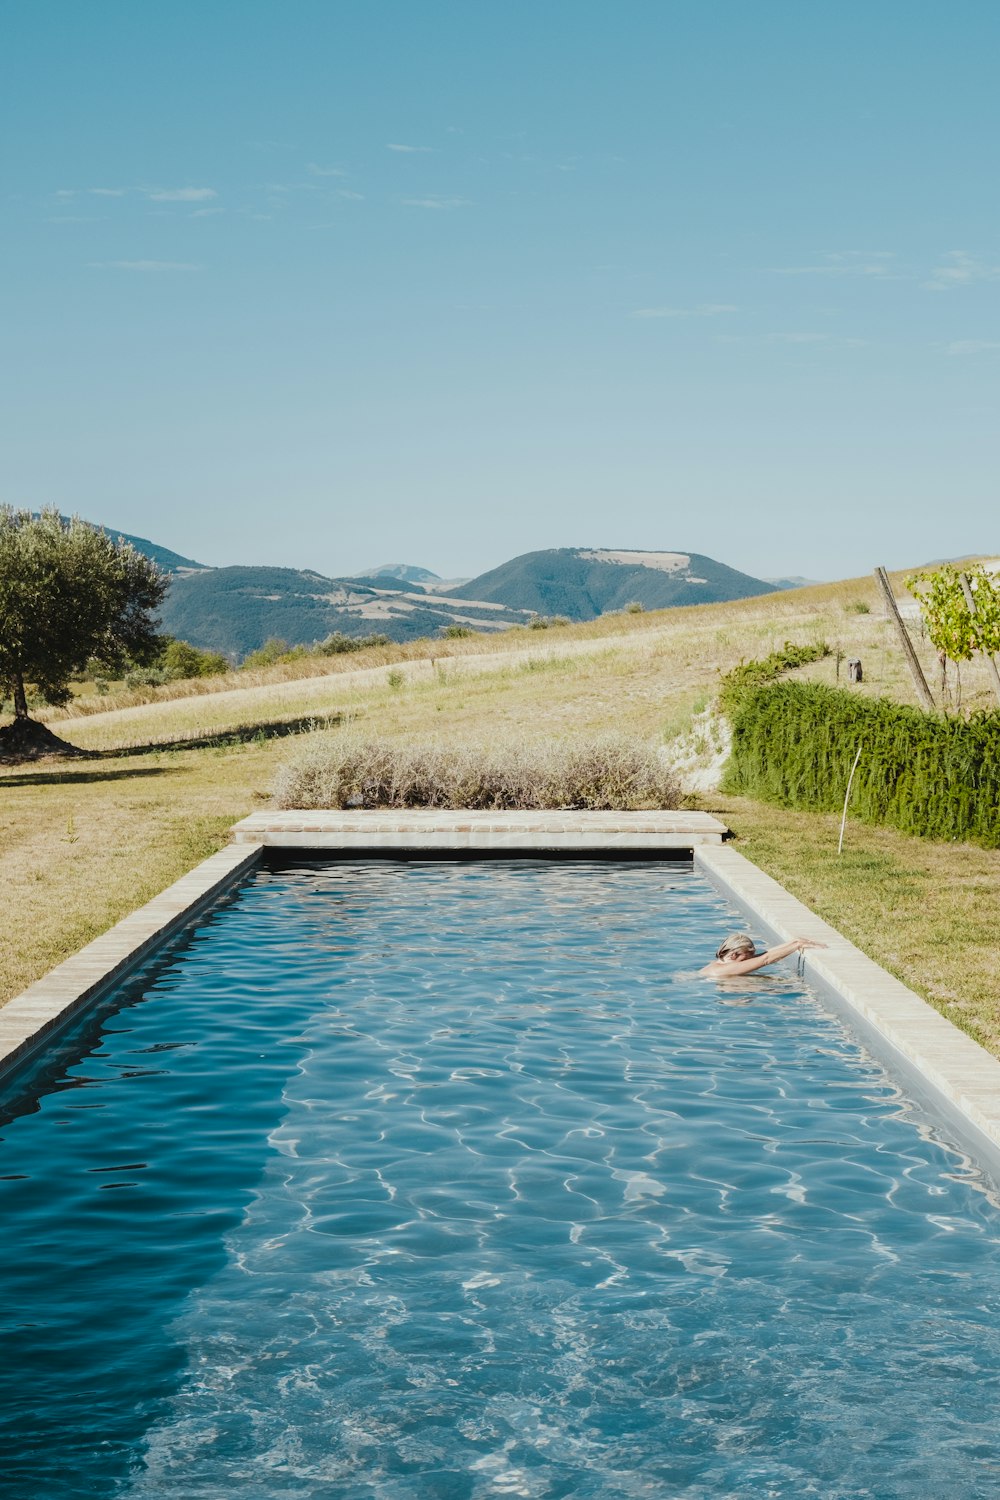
(326, 285)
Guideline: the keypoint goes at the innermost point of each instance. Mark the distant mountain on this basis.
(170, 562)
(405, 571)
(792, 583)
(235, 610)
(585, 582)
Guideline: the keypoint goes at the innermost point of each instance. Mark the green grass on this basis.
(925, 911)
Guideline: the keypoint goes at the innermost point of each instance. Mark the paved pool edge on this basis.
(40, 1012)
(387, 832)
(944, 1069)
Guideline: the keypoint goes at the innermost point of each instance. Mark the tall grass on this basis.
(608, 772)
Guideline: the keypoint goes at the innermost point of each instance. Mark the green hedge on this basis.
(794, 743)
(756, 672)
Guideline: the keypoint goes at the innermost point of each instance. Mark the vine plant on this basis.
(954, 630)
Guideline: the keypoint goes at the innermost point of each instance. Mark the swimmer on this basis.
(738, 955)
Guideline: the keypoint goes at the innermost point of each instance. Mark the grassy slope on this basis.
(82, 844)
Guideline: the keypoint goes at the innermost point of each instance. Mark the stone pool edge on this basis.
(33, 1018)
(945, 1070)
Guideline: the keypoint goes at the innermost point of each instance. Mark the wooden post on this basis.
(916, 672)
(970, 600)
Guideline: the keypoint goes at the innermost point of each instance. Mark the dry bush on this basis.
(610, 772)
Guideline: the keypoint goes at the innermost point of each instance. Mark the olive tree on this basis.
(69, 593)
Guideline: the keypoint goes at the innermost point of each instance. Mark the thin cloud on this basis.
(108, 192)
(960, 269)
(349, 193)
(144, 265)
(408, 150)
(319, 171)
(845, 263)
(181, 195)
(435, 202)
(973, 346)
(795, 339)
(816, 338)
(703, 310)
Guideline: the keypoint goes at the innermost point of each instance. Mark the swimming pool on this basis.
(432, 1180)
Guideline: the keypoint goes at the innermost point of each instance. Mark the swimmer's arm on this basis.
(727, 967)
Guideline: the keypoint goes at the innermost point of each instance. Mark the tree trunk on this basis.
(20, 701)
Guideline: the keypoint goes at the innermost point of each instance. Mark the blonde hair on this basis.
(737, 942)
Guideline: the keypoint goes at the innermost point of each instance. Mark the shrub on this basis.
(937, 777)
(140, 677)
(395, 679)
(456, 632)
(635, 607)
(339, 644)
(181, 660)
(750, 675)
(547, 622)
(610, 772)
(857, 607)
(271, 653)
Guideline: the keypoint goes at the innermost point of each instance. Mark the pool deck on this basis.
(415, 829)
(945, 1070)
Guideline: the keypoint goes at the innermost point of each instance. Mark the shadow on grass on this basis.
(245, 734)
(71, 776)
(221, 739)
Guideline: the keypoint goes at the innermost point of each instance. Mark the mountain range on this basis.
(236, 609)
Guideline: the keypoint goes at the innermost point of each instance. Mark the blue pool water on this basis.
(428, 1182)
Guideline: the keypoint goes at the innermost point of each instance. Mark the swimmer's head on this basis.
(737, 946)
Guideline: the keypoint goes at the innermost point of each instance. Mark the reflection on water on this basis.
(460, 1182)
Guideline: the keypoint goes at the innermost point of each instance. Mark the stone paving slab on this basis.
(940, 1064)
(436, 828)
(40, 1011)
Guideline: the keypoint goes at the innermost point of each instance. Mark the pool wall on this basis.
(948, 1073)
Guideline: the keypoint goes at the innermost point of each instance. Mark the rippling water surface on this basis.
(453, 1181)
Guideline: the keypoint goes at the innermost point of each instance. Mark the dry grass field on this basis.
(84, 842)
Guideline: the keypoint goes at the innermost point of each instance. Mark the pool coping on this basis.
(418, 829)
(45, 1008)
(944, 1069)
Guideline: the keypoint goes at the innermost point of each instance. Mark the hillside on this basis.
(170, 562)
(235, 610)
(583, 583)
